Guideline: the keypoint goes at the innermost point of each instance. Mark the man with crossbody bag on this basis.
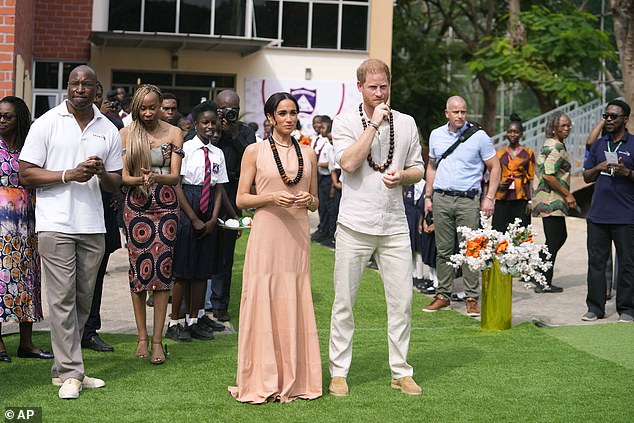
(458, 153)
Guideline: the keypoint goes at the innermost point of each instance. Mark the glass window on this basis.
(66, 69)
(354, 27)
(185, 80)
(134, 78)
(230, 15)
(46, 75)
(295, 24)
(43, 103)
(266, 18)
(195, 17)
(124, 15)
(160, 16)
(324, 29)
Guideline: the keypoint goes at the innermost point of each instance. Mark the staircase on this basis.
(584, 118)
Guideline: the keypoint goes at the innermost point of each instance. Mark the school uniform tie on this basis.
(204, 198)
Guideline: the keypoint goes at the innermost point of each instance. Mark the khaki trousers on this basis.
(393, 256)
(69, 270)
(449, 213)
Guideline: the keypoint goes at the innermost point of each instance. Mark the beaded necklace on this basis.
(278, 162)
(390, 153)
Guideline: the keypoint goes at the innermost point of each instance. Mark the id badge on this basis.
(612, 158)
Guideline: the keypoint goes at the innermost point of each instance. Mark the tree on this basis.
(475, 22)
(551, 60)
(623, 17)
(419, 64)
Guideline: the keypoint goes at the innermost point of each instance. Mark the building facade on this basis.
(192, 48)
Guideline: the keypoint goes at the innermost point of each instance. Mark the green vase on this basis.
(497, 291)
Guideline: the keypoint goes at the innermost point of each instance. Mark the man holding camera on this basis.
(236, 136)
(610, 164)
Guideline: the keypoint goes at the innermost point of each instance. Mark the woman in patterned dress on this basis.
(518, 171)
(20, 294)
(553, 199)
(152, 153)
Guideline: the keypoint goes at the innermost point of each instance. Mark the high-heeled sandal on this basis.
(158, 359)
(141, 348)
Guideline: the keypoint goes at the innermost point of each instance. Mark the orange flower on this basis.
(475, 245)
(501, 247)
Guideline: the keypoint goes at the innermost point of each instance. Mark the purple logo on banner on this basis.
(306, 99)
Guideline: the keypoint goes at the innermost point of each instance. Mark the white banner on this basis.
(314, 98)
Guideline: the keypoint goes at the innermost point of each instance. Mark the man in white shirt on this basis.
(378, 151)
(69, 153)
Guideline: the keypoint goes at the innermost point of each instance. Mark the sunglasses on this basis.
(611, 116)
(7, 116)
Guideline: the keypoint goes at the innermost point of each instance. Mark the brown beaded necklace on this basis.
(278, 162)
(390, 153)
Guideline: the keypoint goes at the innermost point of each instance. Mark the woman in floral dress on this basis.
(20, 295)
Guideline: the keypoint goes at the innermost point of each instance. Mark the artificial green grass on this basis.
(523, 374)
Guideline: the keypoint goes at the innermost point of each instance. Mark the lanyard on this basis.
(617, 147)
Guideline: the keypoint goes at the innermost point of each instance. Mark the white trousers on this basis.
(393, 256)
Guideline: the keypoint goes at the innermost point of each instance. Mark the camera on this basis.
(114, 105)
(230, 114)
(429, 219)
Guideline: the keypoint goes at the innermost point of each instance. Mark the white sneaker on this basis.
(70, 389)
(88, 383)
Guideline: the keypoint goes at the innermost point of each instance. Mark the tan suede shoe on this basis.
(339, 387)
(407, 386)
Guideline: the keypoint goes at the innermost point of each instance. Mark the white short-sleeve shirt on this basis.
(56, 142)
(193, 166)
(367, 205)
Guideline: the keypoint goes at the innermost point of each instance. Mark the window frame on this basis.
(250, 26)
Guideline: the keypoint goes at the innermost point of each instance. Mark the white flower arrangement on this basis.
(518, 255)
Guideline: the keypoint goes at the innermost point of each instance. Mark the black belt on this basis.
(472, 193)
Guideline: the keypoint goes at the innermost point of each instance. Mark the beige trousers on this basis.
(393, 256)
(69, 269)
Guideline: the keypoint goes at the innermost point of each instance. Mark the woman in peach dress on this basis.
(278, 347)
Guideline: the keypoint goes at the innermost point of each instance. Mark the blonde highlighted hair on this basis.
(372, 66)
(138, 142)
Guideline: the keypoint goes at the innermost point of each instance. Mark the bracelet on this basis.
(64, 176)
(374, 125)
(490, 198)
(427, 197)
(312, 200)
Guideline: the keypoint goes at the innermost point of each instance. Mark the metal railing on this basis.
(584, 118)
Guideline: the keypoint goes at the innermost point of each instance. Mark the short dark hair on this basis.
(623, 105)
(112, 95)
(325, 119)
(205, 106)
(169, 96)
(271, 104)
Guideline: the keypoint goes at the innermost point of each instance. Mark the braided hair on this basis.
(23, 116)
(552, 122)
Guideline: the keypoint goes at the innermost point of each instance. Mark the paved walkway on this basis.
(551, 309)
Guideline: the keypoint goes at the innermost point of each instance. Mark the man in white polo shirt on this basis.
(378, 151)
(70, 151)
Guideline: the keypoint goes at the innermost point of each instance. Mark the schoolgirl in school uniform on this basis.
(203, 172)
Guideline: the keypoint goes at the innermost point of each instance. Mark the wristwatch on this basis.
(427, 197)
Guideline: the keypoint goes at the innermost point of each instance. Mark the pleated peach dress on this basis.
(278, 347)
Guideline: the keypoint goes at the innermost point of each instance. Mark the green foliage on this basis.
(420, 83)
(560, 51)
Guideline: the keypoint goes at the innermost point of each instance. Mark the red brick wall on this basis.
(7, 48)
(62, 30)
(24, 32)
